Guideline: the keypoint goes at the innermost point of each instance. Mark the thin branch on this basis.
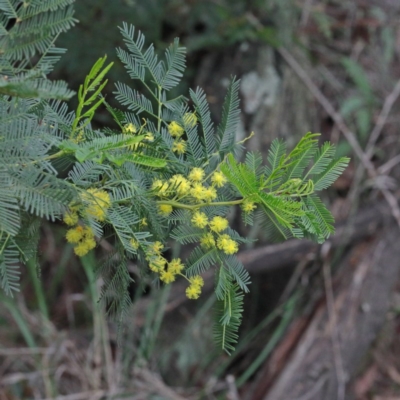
(327, 105)
(387, 106)
(347, 133)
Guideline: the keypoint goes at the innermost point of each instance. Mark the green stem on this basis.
(176, 204)
(38, 288)
(271, 344)
(20, 321)
(52, 157)
(159, 110)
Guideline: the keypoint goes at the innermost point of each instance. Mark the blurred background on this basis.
(322, 321)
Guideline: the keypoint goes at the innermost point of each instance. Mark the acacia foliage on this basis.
(126, 185)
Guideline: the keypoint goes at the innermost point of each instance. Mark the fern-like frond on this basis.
(238, 272)
(9, 269)
(134, 100)
(276, 153)
(285, 210)
(175, 60)
(204, 116)
(321, 160)
(114, 292)
(9, 208)
(185, 234)
(147, 58)
(36, 33)
(196, 150)
(240, 176)
(84, 174)
(226, 130)
(40, 193)
(228, 318)
(253, 162)
(330, 174)
(123, 219)
(200, 260)
(322, 216)
(39, 88)
(9, 10)
(27, 239)
(272, 228)
(42, 6)
(300, 161)
(135, 68)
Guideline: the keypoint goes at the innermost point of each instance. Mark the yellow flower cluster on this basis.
(167, 271)
(199, 219)
(161, 187)
(134, 243)
(156, 260)
(196, 174)
(179, 146)
(227, 245)
(165, 209)
(207, 241)
(203, 193)
(218, 179)
(175, 130)
(129, 128)
(71, 217)
(211, 240)
(180, 184)
(248, 206)
(193, 291)
(218, 224)
(98, 202)
(82, 237)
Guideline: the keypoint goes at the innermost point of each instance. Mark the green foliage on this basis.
(28, 29)
(165, 172)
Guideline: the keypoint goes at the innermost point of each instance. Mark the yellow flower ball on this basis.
(167, 277)
(156, 247)
(197, 191)
(88, 232)
(74, 235)
(81, 250)
(71, 218)
(84, 246)
(129, 128)
(196, 175)
(218, 179)
(207, 241)
(160, 187)
(218, 224)
(197, 281)
(209, 194)
(98, 201)
(165, 209)
(227, 244)
(175, 130)
(180, 184)
(149, 137)
(90, 243)
(199, 219)
(179, 146)
(193, 292)
(248, 206)
(175, 266)
(134, 243)
(157, 264)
